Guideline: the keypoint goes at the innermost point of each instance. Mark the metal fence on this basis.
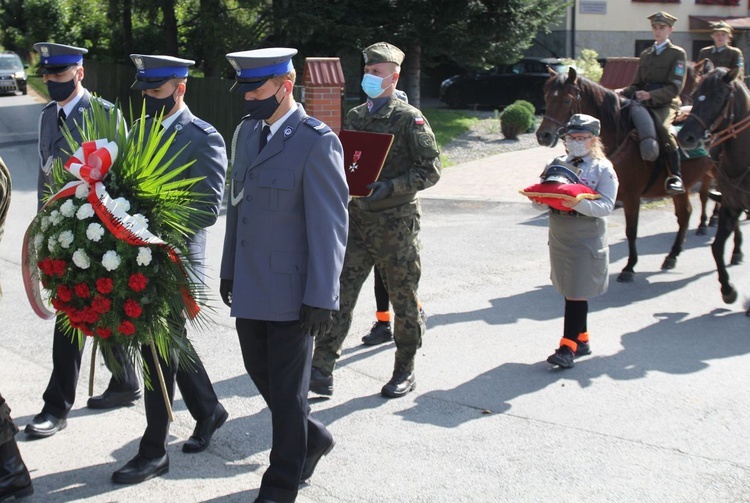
(208, 98)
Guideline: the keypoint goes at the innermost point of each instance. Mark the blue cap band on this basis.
(63, 60)
(164, 72)
(266, 71)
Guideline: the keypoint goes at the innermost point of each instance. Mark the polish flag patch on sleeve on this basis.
(419, 121)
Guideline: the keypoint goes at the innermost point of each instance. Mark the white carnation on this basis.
(144, 256)
(82, 191)
(38, 240)
(123, 203)
(52, 243)
(85, 211)
(66, 239)
(140, 220)
(81, 259)
(45, 223)
(95, 232)
(68, 209)
(111, 260)
(55, 218)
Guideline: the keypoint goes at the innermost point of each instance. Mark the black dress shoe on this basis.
(45, 425)
(400, 384)
(111, 399)
(205, 429)
(379, 333)
(141, 468)
(321, 382)
(312, 459)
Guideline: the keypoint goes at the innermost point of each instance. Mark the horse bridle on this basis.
(575, 94)
(714, 137)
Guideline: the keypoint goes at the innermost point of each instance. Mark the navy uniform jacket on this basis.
(52, 144)
(202, 143)
(286, 237)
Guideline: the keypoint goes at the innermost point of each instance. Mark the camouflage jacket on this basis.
(413, 163)
(663, 75)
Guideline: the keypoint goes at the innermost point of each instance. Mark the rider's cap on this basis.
(663, 17)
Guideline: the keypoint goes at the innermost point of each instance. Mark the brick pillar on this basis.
(323, 79)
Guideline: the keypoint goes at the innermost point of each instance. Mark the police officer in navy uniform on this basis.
(283, 253)
(62, 70)
(162, 80)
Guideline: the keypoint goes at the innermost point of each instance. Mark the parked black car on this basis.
(12, 74)
(501, 85)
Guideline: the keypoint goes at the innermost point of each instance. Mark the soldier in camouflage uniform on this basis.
(14, 476)
(657, 85)
(384, 226)
(721, 53)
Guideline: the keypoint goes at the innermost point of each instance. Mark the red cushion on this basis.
(553, 194)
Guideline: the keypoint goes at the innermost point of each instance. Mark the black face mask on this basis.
(155, 106)
(61, 91)
(262, 109)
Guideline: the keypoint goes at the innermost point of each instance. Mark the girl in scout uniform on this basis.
(578, 250)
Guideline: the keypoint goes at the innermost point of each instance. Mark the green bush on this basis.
(526, 104)
(515, 120)
(586, 65)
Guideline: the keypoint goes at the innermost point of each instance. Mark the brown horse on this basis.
(721, 111)
(571, 94)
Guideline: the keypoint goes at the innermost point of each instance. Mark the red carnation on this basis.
(74, 316)
(64, 293)
(126, 328)
(104, 285)
(87, 330)
(132, 308)
(58, 304)
(46, 266)
(137, 282)
(82, 290)
(89, 315)
(101, 304)
(59, 266)
(104, 332)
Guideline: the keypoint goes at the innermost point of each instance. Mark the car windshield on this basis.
(10, 63)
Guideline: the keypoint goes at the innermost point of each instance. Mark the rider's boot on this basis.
(673, 183)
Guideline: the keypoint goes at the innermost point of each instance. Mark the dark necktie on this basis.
(61, 118)
(264, 137)
(576, 161)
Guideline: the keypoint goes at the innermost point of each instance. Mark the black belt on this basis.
(566, 213)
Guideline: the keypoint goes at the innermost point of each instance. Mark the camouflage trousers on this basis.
(7, 428)
(388, 239)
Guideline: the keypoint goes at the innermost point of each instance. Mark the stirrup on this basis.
(674, 180)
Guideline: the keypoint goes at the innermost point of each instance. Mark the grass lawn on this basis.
(448, 124)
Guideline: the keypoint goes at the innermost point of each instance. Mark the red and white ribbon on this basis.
(90, 164)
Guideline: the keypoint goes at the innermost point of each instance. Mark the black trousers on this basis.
(278, 357)
(66, 365)
(195, 387)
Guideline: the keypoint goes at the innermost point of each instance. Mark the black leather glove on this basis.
(315, 320)
(225, 289)
(380, 190)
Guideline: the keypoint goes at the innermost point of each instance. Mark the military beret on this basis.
(582, 123)
(721, 26)
(254, 68)
(56, 58)
(383, 52)
(153, 70)
(663, 17)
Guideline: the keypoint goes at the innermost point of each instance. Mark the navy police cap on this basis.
(560, 171)
(154, 70)
(56, 58)
(254, 68)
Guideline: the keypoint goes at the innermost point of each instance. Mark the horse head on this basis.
(712, 106)
(562, 98)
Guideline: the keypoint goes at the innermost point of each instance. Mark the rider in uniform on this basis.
(657, 85)
(721, 53)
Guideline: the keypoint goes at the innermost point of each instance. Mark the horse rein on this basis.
(715, 138)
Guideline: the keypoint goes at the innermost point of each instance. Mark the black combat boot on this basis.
(673, 184)
(380, 333)
(14, 477)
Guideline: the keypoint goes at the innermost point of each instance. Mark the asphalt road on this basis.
(657, 413)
